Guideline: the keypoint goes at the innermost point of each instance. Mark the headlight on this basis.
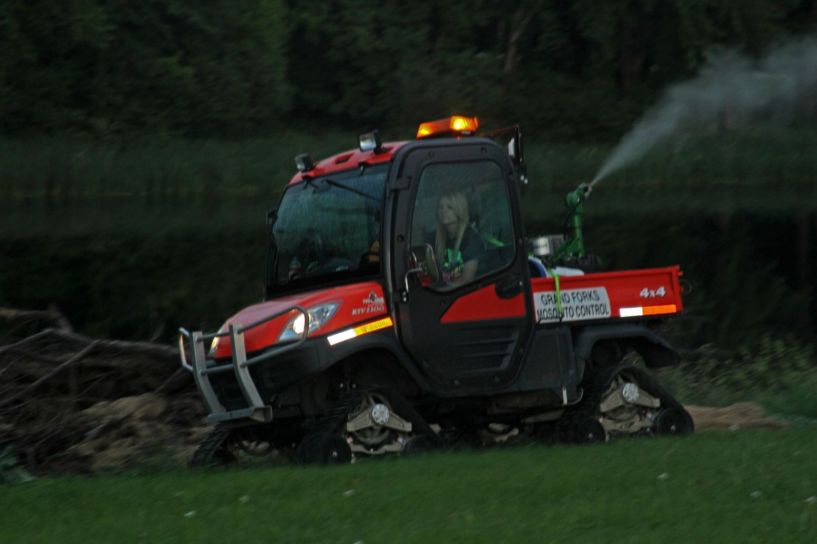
(318, 317)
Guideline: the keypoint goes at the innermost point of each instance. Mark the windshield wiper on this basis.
(350, 189)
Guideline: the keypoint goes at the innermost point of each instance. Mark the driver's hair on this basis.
(459, 205)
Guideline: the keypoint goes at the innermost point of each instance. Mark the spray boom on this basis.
(574, 248)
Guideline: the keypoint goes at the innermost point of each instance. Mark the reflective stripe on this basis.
(360, 330)
(636, 311)
(663, 309)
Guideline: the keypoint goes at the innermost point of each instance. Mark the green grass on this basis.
(798, 403)
(714, 487)
(780, 373)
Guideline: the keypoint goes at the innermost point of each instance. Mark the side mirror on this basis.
(511, 139)
(517, 155)
(518, 152)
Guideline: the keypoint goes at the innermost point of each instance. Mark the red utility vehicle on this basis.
(404, 310)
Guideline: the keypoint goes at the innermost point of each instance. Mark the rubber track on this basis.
(205, 454)
(596, 386)
(651, 385)
(333, 421)
(594, 389)
(327, 424)
(403, 407)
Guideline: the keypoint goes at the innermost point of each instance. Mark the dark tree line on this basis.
(577, 68)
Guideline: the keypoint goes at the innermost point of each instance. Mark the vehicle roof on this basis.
(349, 159)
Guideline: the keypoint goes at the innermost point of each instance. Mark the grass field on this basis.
(713, 487)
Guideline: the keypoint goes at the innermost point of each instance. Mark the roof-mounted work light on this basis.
(303, 162)
(370, 141)
(456, 125)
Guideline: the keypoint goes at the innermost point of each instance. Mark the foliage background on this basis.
(142, 142)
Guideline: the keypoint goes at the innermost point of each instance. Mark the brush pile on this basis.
(69, 403)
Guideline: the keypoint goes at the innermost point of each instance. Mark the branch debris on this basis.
(69, 403)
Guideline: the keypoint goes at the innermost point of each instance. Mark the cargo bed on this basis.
(621, 294)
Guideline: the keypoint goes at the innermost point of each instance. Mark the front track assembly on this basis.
(366, 423)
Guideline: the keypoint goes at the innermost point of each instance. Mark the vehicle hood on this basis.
(357, 303)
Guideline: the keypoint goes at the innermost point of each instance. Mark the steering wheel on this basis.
(424, 257)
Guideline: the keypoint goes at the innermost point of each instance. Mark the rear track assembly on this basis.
(623, 400)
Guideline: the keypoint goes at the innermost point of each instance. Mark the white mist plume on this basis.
(730, 87)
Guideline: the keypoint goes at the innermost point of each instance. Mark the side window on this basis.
(462, 222)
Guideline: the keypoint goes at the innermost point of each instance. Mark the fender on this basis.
(283, 379)
(385, 340)
(656, 351)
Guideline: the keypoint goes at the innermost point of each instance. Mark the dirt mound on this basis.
(740, 415)
(74, 404)
(130, 430)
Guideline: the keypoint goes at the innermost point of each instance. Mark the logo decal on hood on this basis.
(372, 304)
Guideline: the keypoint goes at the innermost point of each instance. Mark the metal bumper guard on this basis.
(202, 367)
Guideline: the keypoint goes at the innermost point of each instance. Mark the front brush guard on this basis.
(201, 367)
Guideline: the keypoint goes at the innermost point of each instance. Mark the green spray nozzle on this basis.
(574, 248)
(577, 196)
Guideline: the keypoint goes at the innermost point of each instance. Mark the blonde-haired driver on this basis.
(457, 246)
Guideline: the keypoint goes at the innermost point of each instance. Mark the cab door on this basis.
(467, 328)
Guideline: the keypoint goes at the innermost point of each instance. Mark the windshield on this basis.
(328, 228)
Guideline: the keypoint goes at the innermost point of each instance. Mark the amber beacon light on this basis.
(456, 125)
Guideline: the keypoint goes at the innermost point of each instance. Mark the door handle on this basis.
(409, 272)
(508, 287)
